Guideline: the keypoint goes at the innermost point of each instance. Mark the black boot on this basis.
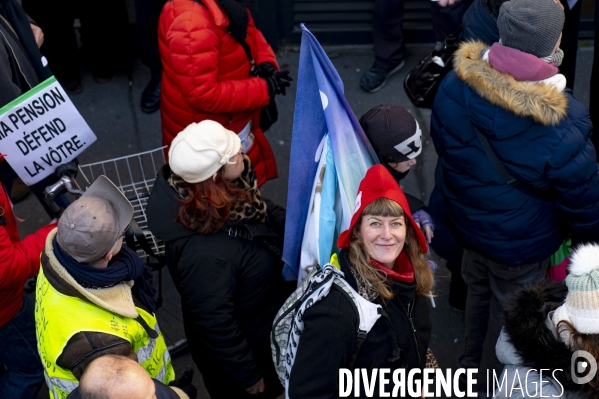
(150, 98)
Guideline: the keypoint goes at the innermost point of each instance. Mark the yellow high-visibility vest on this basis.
(58, 317)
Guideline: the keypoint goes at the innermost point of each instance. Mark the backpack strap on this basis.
(242, 232)
(367, 313)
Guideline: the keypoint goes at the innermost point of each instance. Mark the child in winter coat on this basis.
(547, 344)
(397, 140)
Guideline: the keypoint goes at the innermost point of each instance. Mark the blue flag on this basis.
(320, 109)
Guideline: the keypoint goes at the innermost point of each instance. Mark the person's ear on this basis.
(108, 256)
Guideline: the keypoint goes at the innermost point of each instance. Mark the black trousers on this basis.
(105, 37)
(389, 46)
(56, 19)
(387, 31)
(569, 42)
(147, 14)
(489, 283)
(447, 20)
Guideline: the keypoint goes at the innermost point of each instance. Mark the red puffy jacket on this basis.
(206, 76)
(19, 260)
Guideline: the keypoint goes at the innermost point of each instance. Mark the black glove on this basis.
(283, 80)
(271, 84)
(266, 69)
(278, 82)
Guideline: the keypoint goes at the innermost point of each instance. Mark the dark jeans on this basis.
(18, 352)
(488, 284)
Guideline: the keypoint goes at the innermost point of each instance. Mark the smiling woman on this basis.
(383, 236)
(383, 257)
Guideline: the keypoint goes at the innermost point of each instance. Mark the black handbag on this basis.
(422, 82)
(270, 113)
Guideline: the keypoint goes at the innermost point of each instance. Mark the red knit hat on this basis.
(378, 183)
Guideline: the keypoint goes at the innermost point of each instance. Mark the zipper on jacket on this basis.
(410, 310)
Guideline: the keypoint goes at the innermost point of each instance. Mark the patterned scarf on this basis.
(254, 210)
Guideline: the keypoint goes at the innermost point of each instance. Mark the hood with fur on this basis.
(541, 102)
(535, 342)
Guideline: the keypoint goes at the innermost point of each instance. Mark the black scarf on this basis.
(124, 266)
(12, 11)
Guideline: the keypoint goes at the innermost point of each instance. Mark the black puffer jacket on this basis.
(231, 289)
(328, 339)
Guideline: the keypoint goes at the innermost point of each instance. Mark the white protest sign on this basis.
(41, 130)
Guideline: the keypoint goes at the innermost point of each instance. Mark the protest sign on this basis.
(41, 130)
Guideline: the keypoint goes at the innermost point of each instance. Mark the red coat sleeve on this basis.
(21, 261)
(194, 52)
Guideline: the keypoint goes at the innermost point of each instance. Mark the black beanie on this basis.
(393, 133)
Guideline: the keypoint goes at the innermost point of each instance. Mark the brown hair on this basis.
(585, 342)
(208, 203)
(360, 259)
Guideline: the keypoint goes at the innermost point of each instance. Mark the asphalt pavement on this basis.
(114, 113)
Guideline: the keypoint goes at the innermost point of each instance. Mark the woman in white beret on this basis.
(223, 248)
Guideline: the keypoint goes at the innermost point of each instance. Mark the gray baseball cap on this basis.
(91, 225)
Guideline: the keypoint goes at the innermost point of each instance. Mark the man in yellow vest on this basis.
(118, 377)
(93, 295)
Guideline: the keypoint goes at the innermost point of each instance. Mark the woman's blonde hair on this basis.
(360, 259)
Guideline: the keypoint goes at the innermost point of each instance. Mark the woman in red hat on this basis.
(383, 257)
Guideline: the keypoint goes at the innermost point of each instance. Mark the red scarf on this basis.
(402, 272)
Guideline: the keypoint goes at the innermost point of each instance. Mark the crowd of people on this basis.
(517, 177)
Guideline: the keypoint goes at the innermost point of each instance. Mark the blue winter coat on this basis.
(479, 23)
(540, 134)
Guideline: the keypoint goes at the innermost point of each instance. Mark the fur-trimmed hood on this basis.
(531, 334)
(543, 103)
